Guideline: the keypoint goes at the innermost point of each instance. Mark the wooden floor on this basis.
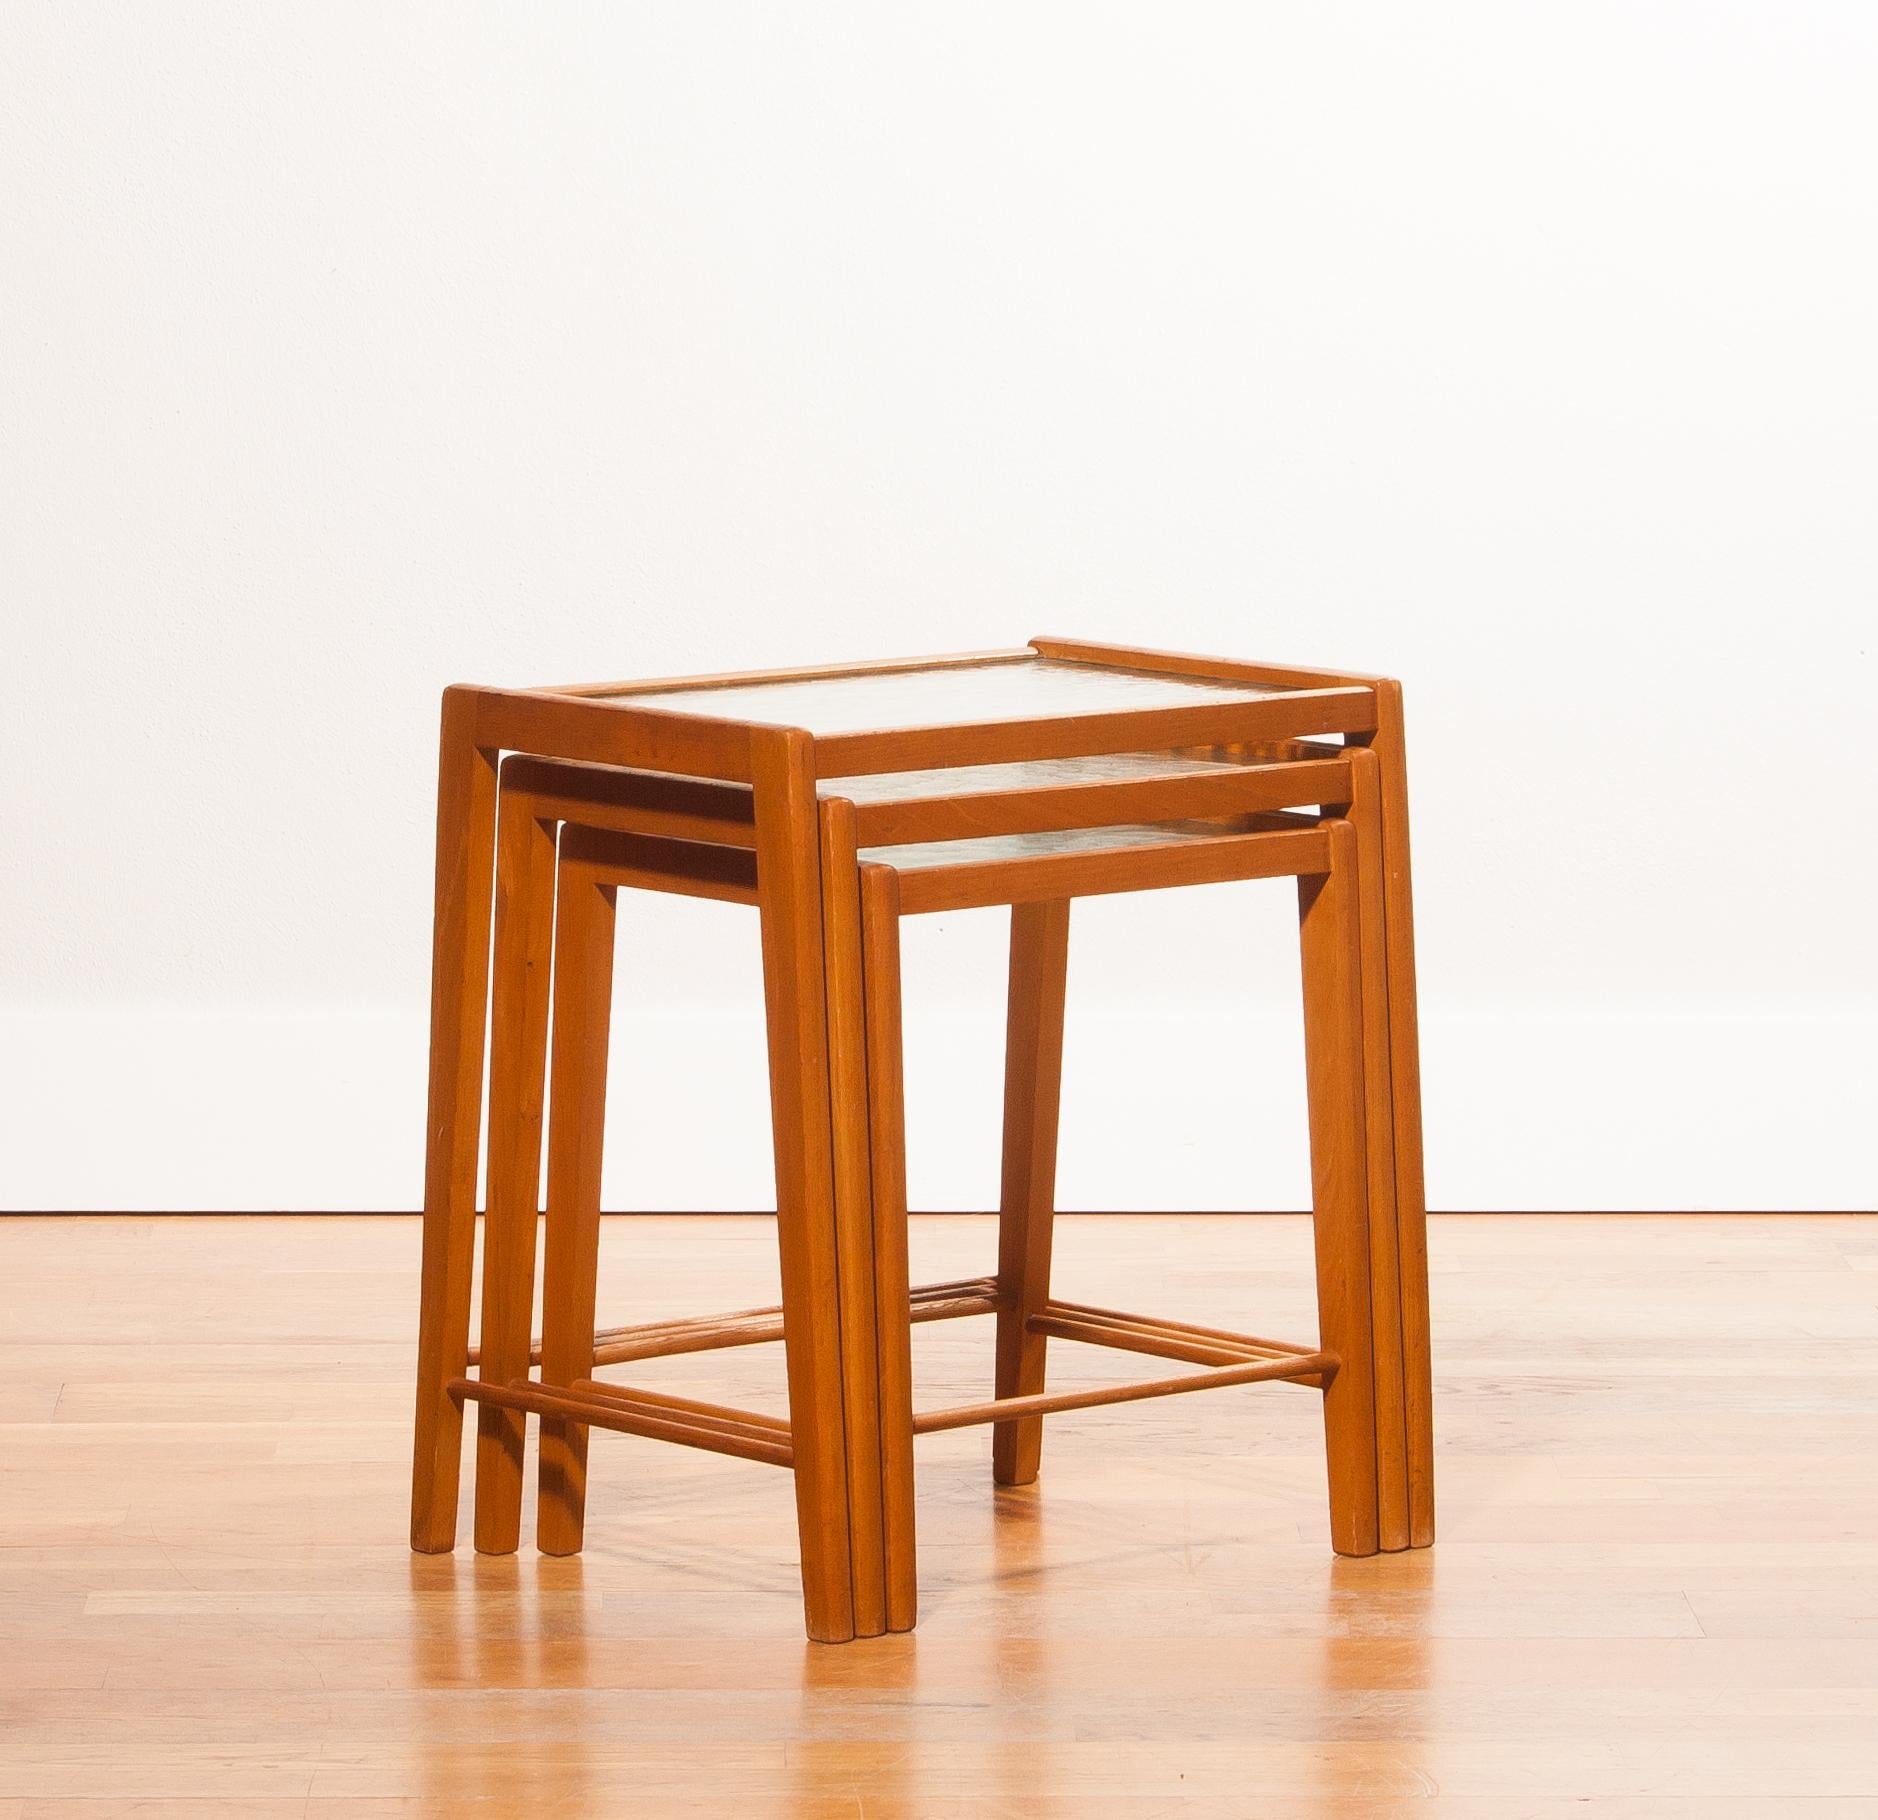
(1656, 1591)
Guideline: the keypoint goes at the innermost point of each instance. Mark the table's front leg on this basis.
(518, 1048)
(848, 1062)
(459, 985)
(790, 905)
(584, 920)
(886, 1118)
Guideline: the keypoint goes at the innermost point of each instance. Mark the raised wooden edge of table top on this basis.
(730, 679)
(1298, 713)
(607, 733)
(1184, 663)
(1220, 859)
(1097, 653)
(699, 809)
(581, 722)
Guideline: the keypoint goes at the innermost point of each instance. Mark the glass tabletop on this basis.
(928, 854)
(1023, 688)
(1034, 774)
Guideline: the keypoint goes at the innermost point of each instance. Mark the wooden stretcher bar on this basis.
(1308, 1366)
(753, 1326)
(588, 1403)
(1159, 1338)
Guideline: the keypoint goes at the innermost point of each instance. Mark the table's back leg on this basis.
(1406, 1092)
(789, 901)
(880, 953)
(1333, 1057)
(1033, 1081)
(518, 1054)
(466, 827)
(854, 1210)
(583, 1006)
(1365, 815)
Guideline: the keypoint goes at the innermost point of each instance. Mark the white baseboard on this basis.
(1589, 1109)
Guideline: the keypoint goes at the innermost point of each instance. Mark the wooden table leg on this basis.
(518, 1054)
(1033, 1079)
(466, 826)
(583, 1005)
(789, 901)
(1333, 1057)
(1385, 1279)
(854, 1209)
(1405, 1090)
(880, 953)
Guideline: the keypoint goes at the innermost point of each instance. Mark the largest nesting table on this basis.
(784, 735)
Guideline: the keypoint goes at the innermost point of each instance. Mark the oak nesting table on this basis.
(836, 801)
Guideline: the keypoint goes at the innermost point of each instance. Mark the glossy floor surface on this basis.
(1655, 1593)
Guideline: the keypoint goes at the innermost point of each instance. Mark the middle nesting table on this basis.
(1031, 835)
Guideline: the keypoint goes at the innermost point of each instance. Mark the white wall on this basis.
(1526, 352)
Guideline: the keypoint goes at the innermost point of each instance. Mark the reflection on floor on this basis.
(1656, 1588)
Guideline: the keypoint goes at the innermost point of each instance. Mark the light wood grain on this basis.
(780, 733)
(459, 984)
(886, 1109)
(1033, 1083)
(1333, 1066)
(521, 970)
(788, 846)
(1411, 1205)
(1656, 1593)
(1300, 714)
(1157, 858)
(854, 1211)
(584, 924)
(1385, 1273)
(1170, 786)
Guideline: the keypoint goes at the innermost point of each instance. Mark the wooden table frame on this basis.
(780, 765)
(875, 1304)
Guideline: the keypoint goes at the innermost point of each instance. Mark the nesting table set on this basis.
(837, 801)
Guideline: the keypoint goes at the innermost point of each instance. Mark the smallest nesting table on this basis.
(834, 800)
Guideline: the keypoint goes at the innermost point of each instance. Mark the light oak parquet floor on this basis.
(1655, 1593)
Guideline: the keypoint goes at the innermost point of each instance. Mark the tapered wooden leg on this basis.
(880, 952)
(1385, 1273)
(583, 1002)
(1333, 1058)
(459, 980)
(1033, 1079)
(1406, 1091)
(518, 1055)
(789, 888)
(854, 1210)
